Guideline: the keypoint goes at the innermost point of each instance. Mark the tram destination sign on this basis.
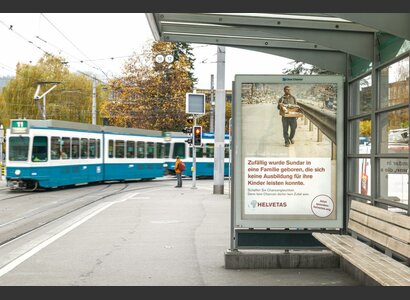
(19, 126)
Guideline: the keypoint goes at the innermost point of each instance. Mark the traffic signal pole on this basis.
(193, 169)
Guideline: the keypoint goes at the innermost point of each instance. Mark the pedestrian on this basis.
(285, 102)
(178, 171)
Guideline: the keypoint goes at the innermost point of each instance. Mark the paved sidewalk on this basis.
(160, 236)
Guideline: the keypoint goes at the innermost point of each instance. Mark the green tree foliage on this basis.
(151, 95)
(70, 100)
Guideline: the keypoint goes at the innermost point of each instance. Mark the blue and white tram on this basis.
(131, 153)
(50, 153)
(204, 154)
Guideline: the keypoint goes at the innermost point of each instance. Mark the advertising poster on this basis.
(288, 150)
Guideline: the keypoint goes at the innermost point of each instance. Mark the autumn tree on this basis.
(151, 95)
(70, 100)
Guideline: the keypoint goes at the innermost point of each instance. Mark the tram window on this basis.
(84, 148)
(140, 149)
(75, 148)
(55, 147)
(18, 148)
(226, 150)
(209, 150)
(110, 149)
(150, 150)
(199, 152)
(65, 148)
(98, 148)
(179, 150)
(40, 149)
(160, 150)
(130, 149)
(92, 149)
(119, 149)
(167, 148)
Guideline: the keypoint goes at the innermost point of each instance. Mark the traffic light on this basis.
(190, 120)
(187, 130)
(197, 135)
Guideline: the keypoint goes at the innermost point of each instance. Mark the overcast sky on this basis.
(99, 43)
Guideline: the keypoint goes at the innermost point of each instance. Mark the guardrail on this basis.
(324, 120)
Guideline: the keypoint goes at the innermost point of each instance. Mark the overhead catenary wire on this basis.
(75, 46)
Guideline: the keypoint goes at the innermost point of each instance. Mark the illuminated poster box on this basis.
(288, 172)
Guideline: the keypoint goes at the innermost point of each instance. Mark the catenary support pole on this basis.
(94, 105)
(219, 122)
(211, 121)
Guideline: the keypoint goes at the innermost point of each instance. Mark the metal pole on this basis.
(230, 153)
(193, 157)
(44, 108)
(211, 122)
(1, 151)
(219, 123)
(94, 106)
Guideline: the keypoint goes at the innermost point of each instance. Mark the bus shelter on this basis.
(361, 106)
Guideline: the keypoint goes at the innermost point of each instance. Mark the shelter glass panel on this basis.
(394, 179)
(360, 181)
(394, 84)
(360, 136)
(361, 96)
(394, 131)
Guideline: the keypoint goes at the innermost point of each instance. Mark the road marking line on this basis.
(13, 264)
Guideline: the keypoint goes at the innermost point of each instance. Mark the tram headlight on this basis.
(17, 172)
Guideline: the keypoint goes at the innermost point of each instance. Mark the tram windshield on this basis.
(18, 148)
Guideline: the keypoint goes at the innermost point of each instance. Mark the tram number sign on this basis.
(19, 126)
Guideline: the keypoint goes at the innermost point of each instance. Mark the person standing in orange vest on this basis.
(178, 172)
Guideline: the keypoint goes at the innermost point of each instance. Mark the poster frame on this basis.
(238, 167)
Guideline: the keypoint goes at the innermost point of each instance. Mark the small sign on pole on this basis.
(195, 103)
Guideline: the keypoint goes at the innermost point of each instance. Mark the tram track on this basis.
(37, 219)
